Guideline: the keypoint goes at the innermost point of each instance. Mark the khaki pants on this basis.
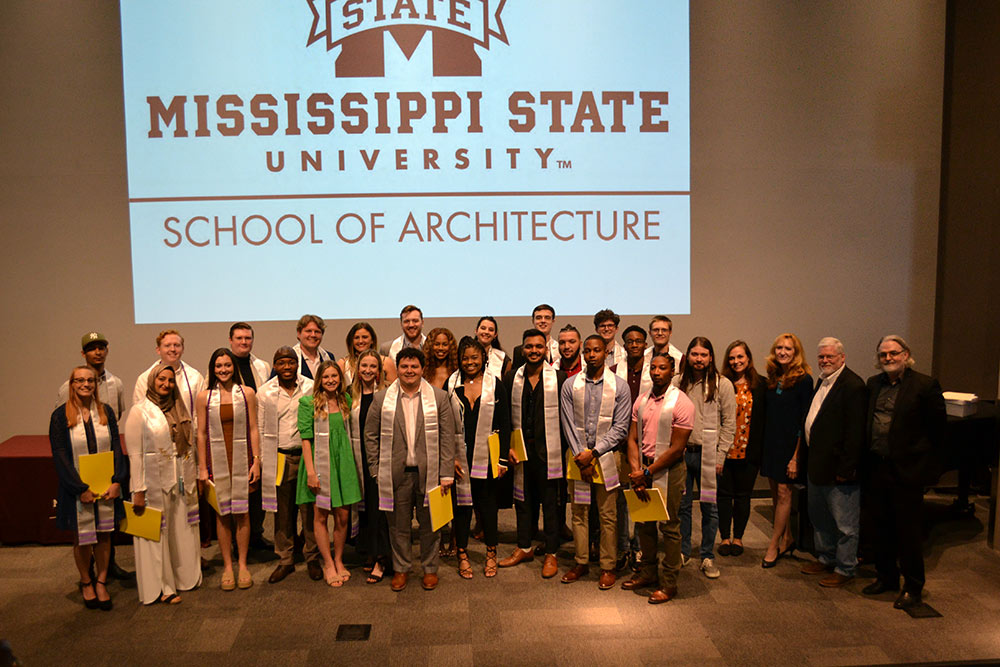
(285, 519)
(670, 560)
(608, 513)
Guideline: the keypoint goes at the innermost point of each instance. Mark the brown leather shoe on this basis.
(637, 582)
(662, 595)
(576, 572)
(280, 573)
(315, 570)
(607, 580)
(399, 581)
(835, 580)
(519, 556)
(430, 581)
(550, 567)
(815, 567)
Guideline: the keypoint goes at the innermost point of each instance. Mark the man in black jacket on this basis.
(835, 434)
(906, 421)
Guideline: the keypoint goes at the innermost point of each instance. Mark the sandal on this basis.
(103, 605)
(464, 566)
(490, 569)
(228, 582)
(92, 603)
(375, 578)
(173, 598)
(246, 579)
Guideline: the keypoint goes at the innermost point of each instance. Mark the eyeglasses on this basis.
(607, 326)
(891, 354)
(83, 381)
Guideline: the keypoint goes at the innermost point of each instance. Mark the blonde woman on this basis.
(331, 479)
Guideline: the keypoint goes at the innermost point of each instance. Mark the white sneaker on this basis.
(685, 560)
(709, 569)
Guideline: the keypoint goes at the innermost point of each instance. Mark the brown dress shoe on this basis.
(280, 573)
(637, 582)
(399, 581)
(662, 595)
(315, 570)
(519, 556)
(607, 580)
(576, 572)
(430, 581)
(835, 580)
(815, 567)
(550, 567)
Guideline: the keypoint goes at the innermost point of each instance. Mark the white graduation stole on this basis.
(321, 458)
(161, 468)
(232, 490)
(495, 362)
(463, 485)
(550, 410)
(397, 345)
(645, 380)
(710, 441)
(100, 516)
(387, 422)
(663, 430)
(484, 423)
(267, 397)
(581, 490)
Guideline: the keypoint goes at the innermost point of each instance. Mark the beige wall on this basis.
(815, 178)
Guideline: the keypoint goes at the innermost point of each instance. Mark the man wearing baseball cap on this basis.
(110, 389)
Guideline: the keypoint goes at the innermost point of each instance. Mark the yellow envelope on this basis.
(441, 510)
(573, 470)
(517, 445)
(145, 525)
(280, 476)
(96, 471)
(655, 509)
(211, 496)
(494, 442)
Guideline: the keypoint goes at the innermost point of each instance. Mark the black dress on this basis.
(785, 415)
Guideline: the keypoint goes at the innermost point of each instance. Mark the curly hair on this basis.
(450, 362)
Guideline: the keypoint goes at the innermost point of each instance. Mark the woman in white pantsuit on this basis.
(164, 474)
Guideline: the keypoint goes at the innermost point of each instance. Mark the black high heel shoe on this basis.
(788, 550)
(103, 605)
(766, 564)
(92, 603)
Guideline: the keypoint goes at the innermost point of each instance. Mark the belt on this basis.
(411, 469)
(291, 452)
(692, 448)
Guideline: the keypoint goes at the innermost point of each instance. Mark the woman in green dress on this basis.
(331, 479)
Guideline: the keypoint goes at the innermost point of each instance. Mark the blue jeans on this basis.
(835, 512)
(709, 511)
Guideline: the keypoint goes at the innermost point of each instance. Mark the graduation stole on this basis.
(387, 423)
(484, 423)
(100, 516)
(463, 485)
(663, 429)
(645, 380)
(397, 345)
(267, 395)
(494, 363)
(158, 454)
(550, 410)
(609, 469)
(321, 456)
(232, 490)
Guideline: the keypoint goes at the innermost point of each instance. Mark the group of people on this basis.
(565, 419)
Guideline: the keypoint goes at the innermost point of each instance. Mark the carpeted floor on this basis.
(749, 616)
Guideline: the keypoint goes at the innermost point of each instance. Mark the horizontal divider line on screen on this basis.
(373, 195)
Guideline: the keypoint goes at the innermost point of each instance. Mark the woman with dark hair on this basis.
(374, 527)
(164, 477)
(331, 479)
(484, 409)
(441, 352)
(229, 459)
(740, 468)
(789, 393)
(488, 335)
(81, 426)
(360, 338)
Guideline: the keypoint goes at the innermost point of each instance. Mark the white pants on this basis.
(174, 563)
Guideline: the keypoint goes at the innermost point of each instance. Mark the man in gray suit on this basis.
(409, 439)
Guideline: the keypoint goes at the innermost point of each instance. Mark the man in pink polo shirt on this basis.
(662, 419)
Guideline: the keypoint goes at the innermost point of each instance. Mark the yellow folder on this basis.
(441, 510)
(146, 525)
(494, 443)
(279, 477)
(517, 445)
(655, 509)
(96, 471)
(573, 470)
(211, 496)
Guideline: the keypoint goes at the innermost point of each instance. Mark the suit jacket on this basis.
(446, 438)
(837, 435)
(916, 432)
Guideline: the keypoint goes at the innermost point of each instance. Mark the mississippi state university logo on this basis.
(359, 27)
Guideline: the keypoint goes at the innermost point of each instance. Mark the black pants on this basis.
(735, 486)
(484, 499)
(374, 529)
(257, 514)
(897, 507)
(538, 489)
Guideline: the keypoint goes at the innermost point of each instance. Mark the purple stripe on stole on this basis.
(361, 505)
(193, 517)
(105, 525)
(240, 506)
(88, 537)
(581, 493)
(518, 494)
(555, 472)
(386, 504)
(163, 523)
(708, 496)
(323, 502)
(479, 472)
(269, 505)
(464, 498)
(225, 507)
